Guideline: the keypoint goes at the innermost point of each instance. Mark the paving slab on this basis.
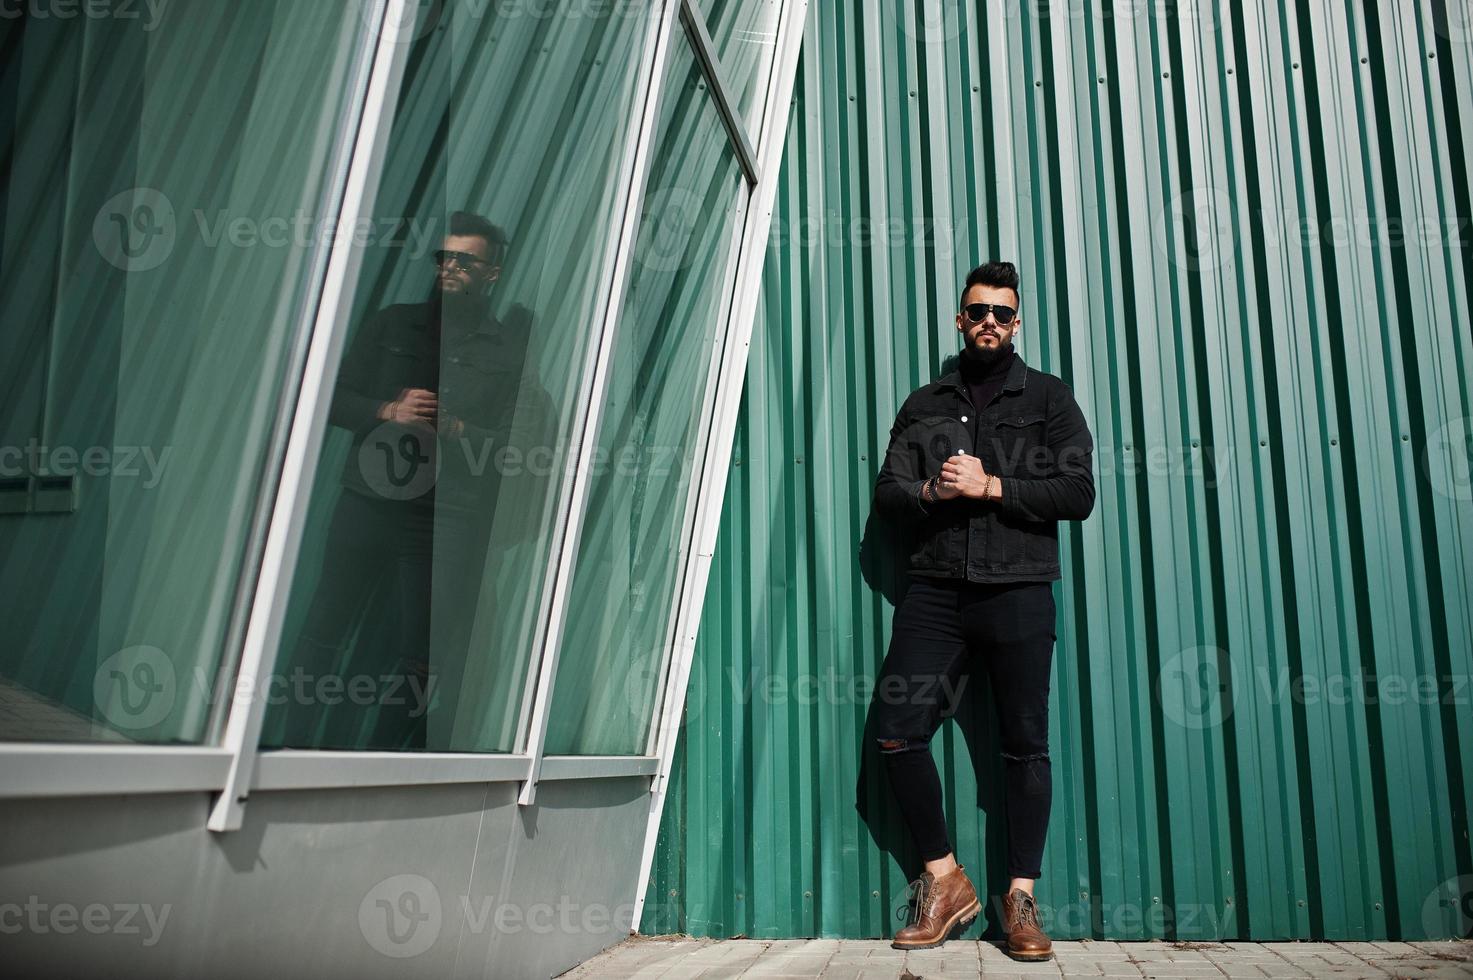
(686, 958)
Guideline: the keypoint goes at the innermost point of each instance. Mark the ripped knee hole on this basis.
(1035, 757)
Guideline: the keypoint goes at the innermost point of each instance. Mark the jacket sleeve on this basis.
(898, 487)
(352, 407)
(1064, 489)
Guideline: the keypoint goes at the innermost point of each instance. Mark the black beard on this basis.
(457, 308)
(986, 356)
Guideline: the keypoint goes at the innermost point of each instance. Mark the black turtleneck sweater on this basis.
(984, 381)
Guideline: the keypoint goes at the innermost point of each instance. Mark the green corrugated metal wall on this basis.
(1243, 232)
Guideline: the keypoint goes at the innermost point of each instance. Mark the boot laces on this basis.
(1028, 911)
(922, 894)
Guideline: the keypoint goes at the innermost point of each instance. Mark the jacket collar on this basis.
(1016, 379)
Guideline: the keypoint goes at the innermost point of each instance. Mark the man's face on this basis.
(464, 266)
(989, 334)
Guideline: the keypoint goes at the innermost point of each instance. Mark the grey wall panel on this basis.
(428, 881)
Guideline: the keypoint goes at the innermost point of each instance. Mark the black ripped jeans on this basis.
(942, 627)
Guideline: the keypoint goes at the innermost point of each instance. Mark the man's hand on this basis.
(962, 476)
(451, 426)
(414, 406)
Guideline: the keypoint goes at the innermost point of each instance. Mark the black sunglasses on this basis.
(465, 260)
(977, 312)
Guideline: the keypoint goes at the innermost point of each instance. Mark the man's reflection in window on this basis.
(430, 391)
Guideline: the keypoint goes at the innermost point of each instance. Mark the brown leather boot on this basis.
(942, 904)
(1026, 940)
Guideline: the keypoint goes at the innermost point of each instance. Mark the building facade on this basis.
(1243, 232)
(436, 465)
(365, 361)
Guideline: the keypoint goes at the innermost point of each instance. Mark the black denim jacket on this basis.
(479, 377)
(1032, 436)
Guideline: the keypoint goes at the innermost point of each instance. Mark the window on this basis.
(419, 592)
(161, 204)
(632, 547)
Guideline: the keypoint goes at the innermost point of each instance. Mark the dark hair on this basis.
(469, 225)
(1003, 275)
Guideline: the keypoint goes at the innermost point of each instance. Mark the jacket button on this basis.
(964, 418)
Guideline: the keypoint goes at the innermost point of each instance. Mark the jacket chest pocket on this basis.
(476, 384)
(1020, 440)
(400, 365)
(942, 437)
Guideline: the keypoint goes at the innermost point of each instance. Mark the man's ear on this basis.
(493, 275)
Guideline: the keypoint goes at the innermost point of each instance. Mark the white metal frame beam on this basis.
(710, 62)
(31, 771)
(87, 769)
(309, 428)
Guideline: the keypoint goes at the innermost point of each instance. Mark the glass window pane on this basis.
(152, 279)
(745, 35)
(632, 545)
(419, 590)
